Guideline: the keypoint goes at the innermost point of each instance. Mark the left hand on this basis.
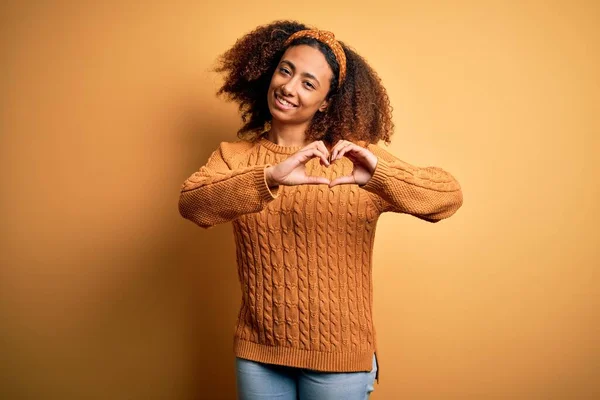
(364, 163)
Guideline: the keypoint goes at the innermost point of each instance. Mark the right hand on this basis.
(292, 171)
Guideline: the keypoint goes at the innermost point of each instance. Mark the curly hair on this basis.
(359, 109)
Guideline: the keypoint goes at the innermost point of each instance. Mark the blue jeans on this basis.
(258, 381)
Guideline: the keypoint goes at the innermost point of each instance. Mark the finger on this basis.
(335, 149)
(342, 180)
(356, 150)
(360, 155)
(338, 146)
(309, 154)
(321, 146)
(316, 180)
(317, 144)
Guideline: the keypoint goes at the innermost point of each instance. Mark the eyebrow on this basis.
(306, 74)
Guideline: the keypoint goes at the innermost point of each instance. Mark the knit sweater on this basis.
(304, 253)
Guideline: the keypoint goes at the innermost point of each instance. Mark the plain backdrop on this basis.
(107, 107)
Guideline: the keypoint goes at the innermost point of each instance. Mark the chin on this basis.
(276, 116)
(279, 115)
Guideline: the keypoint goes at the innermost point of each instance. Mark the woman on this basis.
(304, 189)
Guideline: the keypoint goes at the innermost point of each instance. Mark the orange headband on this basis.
(329, 39)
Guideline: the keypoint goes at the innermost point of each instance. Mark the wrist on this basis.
(374, 163)
(269, 177)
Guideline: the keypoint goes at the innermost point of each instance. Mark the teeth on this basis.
(286, 103)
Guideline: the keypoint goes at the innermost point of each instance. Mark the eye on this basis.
(309, 85)
(284, 70)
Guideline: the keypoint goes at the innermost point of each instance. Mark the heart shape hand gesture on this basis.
(292, 171)
(364, 162)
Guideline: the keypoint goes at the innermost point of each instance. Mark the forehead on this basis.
(308, 59)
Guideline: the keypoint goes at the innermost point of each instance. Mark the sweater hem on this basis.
(359, 361)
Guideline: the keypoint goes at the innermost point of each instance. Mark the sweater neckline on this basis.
(274, 147)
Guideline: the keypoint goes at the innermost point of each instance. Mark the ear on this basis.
(324, 105)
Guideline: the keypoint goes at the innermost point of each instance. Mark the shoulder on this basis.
(231, 150)
(379, 151)
(236, 148)
(232, 153)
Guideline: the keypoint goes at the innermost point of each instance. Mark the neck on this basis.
(287, 135)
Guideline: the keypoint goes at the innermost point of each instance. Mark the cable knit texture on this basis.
(304, 252)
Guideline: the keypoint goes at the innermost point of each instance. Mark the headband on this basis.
(327, 38)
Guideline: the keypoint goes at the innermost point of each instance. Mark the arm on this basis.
(217, 193)
(430, 193)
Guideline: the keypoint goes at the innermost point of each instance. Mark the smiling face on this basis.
(299, 86)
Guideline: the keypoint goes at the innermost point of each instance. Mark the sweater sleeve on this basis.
(429, 193)
(217, 193)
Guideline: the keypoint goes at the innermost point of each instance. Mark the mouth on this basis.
(284, 103)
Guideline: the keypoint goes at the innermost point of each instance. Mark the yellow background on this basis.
(107, 293)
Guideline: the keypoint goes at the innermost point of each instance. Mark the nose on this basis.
(287, 88)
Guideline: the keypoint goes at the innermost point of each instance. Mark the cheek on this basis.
(273, 85)
(276, 81)
(314, 100)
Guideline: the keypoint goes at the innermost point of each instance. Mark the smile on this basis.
(284, 103)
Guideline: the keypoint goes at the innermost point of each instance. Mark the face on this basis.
(299, 86)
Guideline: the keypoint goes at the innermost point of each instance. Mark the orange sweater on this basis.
(304, 252)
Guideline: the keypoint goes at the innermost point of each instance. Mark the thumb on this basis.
(342, 180)
(316, 180)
